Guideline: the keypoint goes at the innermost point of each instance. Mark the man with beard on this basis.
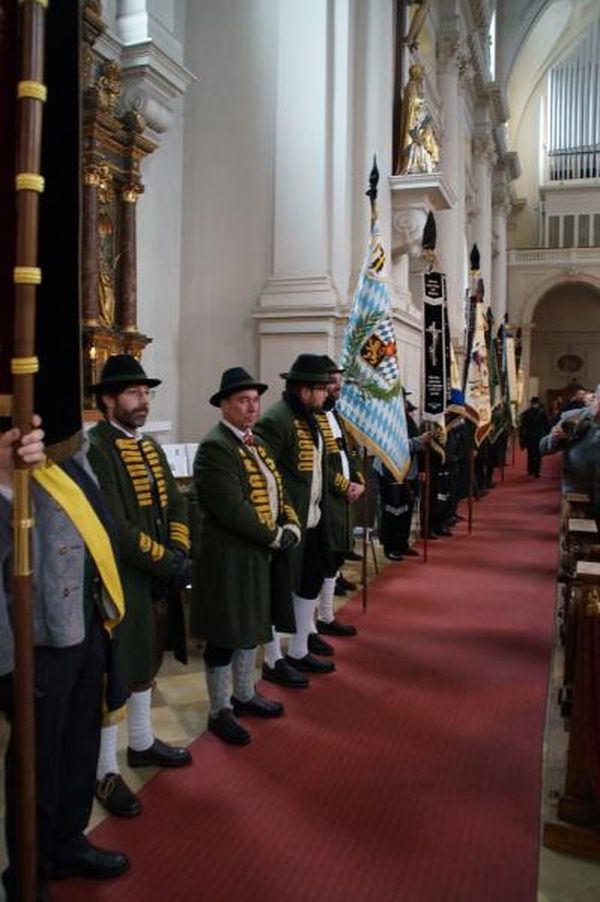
(244, 532)
(344, 487)
(291, 432)
(150, 517)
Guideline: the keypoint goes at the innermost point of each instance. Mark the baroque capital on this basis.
(448, 45)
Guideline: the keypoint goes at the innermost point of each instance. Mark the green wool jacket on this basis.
(150, 516)
(290, 441)
(341, 514)
(241, 584)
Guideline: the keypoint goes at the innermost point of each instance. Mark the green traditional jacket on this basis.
(341, 519)
(289, 439)
(150, 516)
(241, 585)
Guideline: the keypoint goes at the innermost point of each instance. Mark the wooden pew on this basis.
(578, 830)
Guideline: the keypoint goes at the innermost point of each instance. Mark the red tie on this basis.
(248, 439)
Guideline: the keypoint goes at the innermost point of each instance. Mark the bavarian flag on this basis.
(371, 401)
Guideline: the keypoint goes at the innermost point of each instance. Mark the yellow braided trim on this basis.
(34, 90)
(22, 366)
(29, 181)
(42, 3)
(27, 275)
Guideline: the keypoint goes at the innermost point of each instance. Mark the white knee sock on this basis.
(217, 683)
(107, 757)
(272, 650)
(326, 599)
(304, 612)
(139, 720)
(243, 672)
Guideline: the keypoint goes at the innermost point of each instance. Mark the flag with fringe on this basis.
(477, 383)
(371, 400)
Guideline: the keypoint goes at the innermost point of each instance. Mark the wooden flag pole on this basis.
(31, 94)
(426, 502)
(471, 487)
(365, 530)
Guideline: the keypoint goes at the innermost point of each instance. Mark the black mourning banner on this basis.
(434, 356)
(57, 330)
(58, 335)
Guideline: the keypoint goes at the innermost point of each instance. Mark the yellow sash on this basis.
(73, 501)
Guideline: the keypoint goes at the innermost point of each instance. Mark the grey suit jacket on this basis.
(58, 573)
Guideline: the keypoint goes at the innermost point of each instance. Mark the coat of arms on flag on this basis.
(371, 401)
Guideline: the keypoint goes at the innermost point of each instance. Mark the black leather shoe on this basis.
(258, 706)
(95, 863)
(409, 552)
(393, 556)
(310, 664)
(335, 628)
(159, 755)
(346, 584)
(284, 675)
(353, 556)
(339, 591)
(226, 727)
(318, 646)
(114, 794)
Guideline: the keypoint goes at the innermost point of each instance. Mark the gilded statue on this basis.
(418, 151)
(106, 270)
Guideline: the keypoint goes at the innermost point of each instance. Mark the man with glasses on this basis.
(290, 430)
(153, 539)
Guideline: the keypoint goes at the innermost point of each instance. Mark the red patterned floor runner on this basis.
(410, 775)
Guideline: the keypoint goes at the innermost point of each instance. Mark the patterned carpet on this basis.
(411, 775)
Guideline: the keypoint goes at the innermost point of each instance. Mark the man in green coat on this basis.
(150, 516)
(344, 486)
(245, 527)
(291, 432)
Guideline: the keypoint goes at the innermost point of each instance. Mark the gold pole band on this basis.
(32, 89)
(27, 275)
(29, 181)
(42, 3)
(22, 524)
(23, 366)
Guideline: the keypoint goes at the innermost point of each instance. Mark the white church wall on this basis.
(228, 195)
(159, 266)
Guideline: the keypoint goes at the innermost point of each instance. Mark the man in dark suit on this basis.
(533, 426)
(78, 600)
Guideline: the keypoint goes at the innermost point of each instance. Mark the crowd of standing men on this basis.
(261, 538)
(270, 508)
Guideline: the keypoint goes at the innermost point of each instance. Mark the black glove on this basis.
(181, 572)
(288, 539)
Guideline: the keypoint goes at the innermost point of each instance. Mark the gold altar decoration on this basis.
(114, 146)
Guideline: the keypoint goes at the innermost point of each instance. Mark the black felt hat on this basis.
(331, 366)
(308, 369)
(233, 380)
(118, 372)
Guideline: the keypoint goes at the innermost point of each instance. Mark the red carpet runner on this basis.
(410, 775)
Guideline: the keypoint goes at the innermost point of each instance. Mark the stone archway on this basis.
(565, 338)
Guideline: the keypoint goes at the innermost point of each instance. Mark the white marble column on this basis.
(500, 208)
(297, 303)
(451, 223)
(483, 160)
